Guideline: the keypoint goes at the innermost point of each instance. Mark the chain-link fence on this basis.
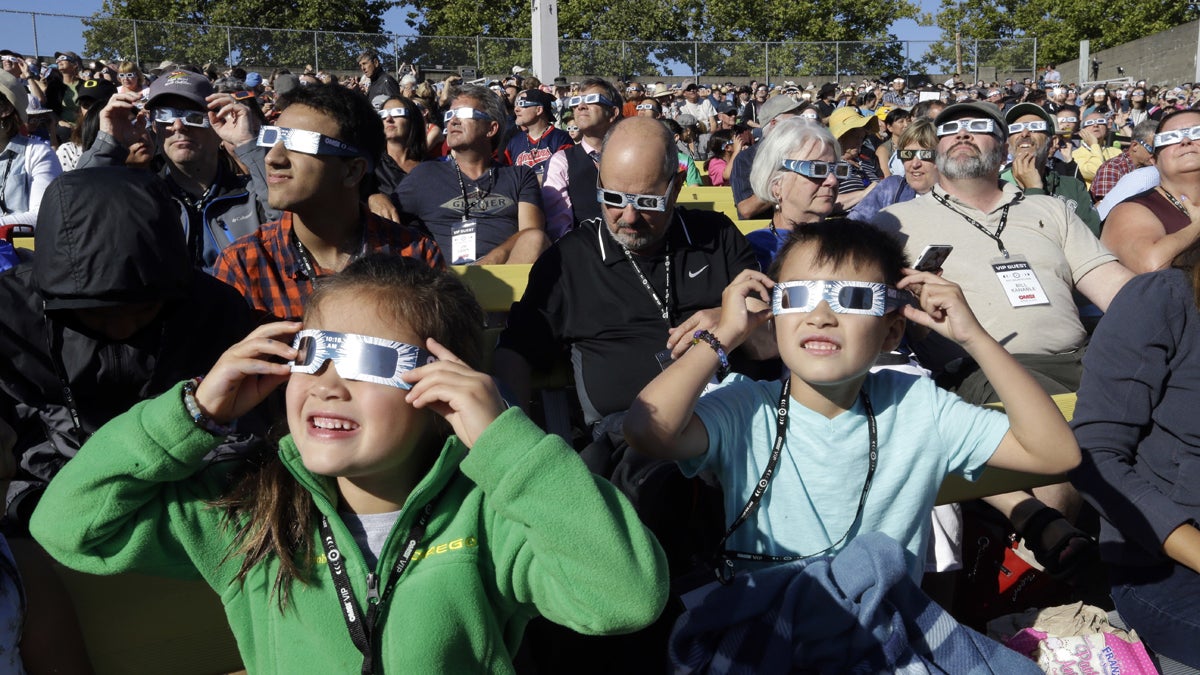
(149, 43)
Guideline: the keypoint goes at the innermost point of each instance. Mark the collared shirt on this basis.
(585, 296)
(559, 214)
(265, 268)
(1109, 173)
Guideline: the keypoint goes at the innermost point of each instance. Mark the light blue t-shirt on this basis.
(924, 434)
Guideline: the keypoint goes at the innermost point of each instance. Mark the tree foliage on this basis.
(639, 37)
(1058, 25)
(191, 30)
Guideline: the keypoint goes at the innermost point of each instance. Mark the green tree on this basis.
(274, 34)
(1058, 25)
(649, 37)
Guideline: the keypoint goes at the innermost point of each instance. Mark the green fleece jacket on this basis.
(1070, 190)
(522, 529)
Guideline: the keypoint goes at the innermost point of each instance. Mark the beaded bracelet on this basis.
(193, 408)
(712, 341)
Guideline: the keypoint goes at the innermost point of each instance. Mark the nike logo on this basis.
(693, 275)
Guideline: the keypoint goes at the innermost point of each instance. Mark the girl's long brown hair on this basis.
(272, 515)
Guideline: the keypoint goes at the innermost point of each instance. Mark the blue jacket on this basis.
(233, 207)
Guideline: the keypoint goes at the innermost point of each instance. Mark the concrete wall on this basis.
(1168, 57)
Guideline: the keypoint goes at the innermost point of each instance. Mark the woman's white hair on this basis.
(788, 136)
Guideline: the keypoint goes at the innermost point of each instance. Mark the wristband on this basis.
(193, 408)
(712, 341)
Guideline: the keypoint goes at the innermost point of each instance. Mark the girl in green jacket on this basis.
(370, 540)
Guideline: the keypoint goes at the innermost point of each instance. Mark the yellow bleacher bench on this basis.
(999, 481)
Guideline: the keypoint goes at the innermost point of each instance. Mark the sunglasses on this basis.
(633, 90)
(1094, 123)
(572, 128)
(972, 126)
(1176, 136)
(1068, 120)
(1018, 127)
(126, 76)
(527, 103)
(10, 59)
(1149, 148)
(619, 200)
(906, 155)
(645, 106)
(358, 357)
(844, 297)
(810, 168)
(307, 142)
(590, 99)
(388, 113)
(190, 118)
(466, 114)
(808, 115)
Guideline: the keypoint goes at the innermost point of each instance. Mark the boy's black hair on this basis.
(358, 121)
(840, 242)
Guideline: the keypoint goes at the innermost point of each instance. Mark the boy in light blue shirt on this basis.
(859, 452)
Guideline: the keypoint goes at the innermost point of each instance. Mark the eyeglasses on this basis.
(465, 113)
(1149, 148)
(1176, 136)
(633, 90)
(126, 76)
(814, 169)
(527, 103)
(972, 126)
(590, 99)
(9, 59)
(808, 115)
(619, 200)
(844, 297)
(388, 113)
(1018, 127)
(1068, 120)
(906, 155)
(1095, 122)
(307, 142)
(572, 128)
(645, 106)
(190, 118)
(358, 357)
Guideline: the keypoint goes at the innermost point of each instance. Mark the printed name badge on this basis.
(462, 244)
(1020, 284)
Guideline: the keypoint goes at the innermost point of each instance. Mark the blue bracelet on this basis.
(712, 341)
(193, 408)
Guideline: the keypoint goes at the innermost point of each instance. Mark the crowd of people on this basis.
(238, 342)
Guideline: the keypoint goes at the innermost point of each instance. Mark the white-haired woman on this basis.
(796, 169)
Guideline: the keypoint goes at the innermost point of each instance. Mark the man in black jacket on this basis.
(109, 313)
(381, 83)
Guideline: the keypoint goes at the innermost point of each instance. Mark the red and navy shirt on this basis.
(524, 150)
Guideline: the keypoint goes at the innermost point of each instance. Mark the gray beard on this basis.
(966, 168)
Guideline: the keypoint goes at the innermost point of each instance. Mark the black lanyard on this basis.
(979, 226)
(725, 569)
(663, 303)
(362, 625)
(4, 182)
(466, 214)
(304, 259)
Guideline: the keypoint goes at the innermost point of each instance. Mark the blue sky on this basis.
(56, 33)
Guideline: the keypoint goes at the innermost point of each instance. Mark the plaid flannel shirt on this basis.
(1109, 173)
(264, 268)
